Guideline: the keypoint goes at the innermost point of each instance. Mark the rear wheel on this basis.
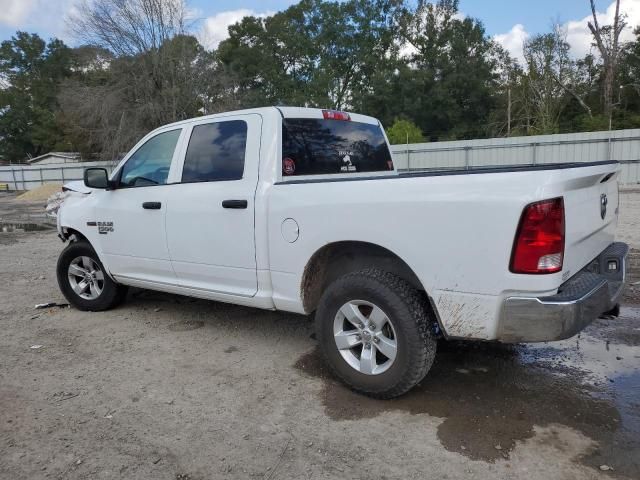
(83, 281)
(375, 331)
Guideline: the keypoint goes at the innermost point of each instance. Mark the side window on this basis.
(150, 164)
(216, 152)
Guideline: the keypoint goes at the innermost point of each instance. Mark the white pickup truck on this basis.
(302, 210)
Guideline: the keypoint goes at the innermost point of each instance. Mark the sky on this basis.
(510, 22)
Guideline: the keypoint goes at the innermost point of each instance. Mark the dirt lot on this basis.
(168, 387)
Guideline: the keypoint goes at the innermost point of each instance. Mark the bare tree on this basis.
(549, 69)
(157, 74)
(128, 27)
(570, 77)
(607, 38)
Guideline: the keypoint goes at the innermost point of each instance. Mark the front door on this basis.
(130, 218)
(210, 215)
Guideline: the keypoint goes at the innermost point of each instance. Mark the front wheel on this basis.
(376, 333)
(83, 281)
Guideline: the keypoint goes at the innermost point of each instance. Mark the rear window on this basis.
(324, 147)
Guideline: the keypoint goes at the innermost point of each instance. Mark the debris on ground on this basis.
(62, 396)
(51, 305)
(40, 193)
(36, 347)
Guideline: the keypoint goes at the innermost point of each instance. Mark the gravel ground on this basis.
(168, 387)
(629, 220)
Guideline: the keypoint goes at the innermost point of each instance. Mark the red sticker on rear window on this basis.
(288, 166)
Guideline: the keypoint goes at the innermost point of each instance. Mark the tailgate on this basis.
(591, 213)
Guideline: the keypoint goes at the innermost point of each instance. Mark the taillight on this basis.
(335, 115)
(539, 244)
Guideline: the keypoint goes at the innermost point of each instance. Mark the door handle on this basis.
(234, 204)
(152, 205)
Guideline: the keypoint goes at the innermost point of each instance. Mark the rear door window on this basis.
(216, 152)
(325, 147)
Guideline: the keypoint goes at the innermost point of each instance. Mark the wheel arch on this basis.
(335, 259)
(71, 234)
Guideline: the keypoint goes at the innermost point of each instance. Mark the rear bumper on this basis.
(584, 297)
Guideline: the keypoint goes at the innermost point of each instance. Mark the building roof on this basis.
(69, 156)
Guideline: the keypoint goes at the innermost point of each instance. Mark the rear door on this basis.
(210, 217)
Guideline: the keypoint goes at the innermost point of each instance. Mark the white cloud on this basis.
(513, 41)
(580, 38)
(46, 17)
(216, 28)
(578, 35)
(13, 12)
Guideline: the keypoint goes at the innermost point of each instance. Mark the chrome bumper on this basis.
(584, 297)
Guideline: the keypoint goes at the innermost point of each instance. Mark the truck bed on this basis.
(455, 228)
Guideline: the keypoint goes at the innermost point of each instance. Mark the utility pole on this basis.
(509, 112)
(407, 147)
(611, 112)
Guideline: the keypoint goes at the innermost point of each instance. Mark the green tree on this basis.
(31, 71)
(420, 62)
(507, 112)
(404, 131)
(627, 112)
(553, 81)
(315, 53)
(447, 80)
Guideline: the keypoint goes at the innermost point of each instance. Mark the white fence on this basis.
(23, 177)
(621, 145)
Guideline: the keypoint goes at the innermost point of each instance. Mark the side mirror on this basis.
(95, 177)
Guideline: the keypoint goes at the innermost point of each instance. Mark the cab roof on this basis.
(284, 112)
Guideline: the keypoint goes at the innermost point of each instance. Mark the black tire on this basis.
(412, 321)
(111, 295)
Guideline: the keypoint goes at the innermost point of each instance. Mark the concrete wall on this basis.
(54, 160)
(23, 177)
(621, 145)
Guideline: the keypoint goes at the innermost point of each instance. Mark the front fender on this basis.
(74, 218)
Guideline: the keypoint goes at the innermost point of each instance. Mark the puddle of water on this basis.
(492, 395)
(6, 227)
